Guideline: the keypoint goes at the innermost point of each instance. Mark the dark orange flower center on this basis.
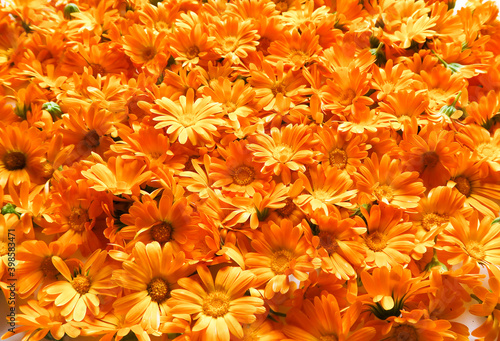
(287, 210)
(384, 192)
(432, 220)
(338, 158)
(158, 290)
(463, 185)
(281, 6)
(243, 175)
(278, 88)
(430, 159)
(297, 56)
(81, 284)
(328, 241)
(216, 304)
(162, 233)
(229, 44)
(192, 52)
(149, 53)
(97, 69)
(376, 241)
(91, 139)
(405, 333)
(47, 267)
(264, 43)
(77, 219)
(346, 97)
(280, 261)
(14, 161)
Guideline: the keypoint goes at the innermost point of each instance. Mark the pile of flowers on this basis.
(237, 170)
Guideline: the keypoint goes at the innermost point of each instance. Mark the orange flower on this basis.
(167, 220)
(21, 154)
(488, 306)
(150, 277)
(342, 150)
(188, 119)
(238, 173)
(327, 188)
(431, 153)
(471, 240)
(218, 307)
(144, 46)
(339, 245)
(281, 251)
(36, 267)
(78, 294)
(405, 105)
(286, 150)
(234, 38)
(192, 46)
(295, 49)
(391, 79)
(323, 320)
(388, 290)
(390, 236)
(385, 182)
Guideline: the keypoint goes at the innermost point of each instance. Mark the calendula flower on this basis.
(389, 239)
(281, 251)
(322, 320)
(385, 182)
(219, 306)
(77, 295)
(188, 119)
(286, 150)
(150, 278)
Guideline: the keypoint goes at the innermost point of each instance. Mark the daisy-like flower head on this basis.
(21, 154)
(280, 251)
(322, 320)
(149, 278)
(188, 119)
(286, 150)
(385, 182)
(390, 236)
(218, 307)
(471, 240)
(77, 295)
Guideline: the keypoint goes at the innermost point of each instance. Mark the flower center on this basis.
(162, 233)
(264, 43)
(91, 139)
(282, 6)
(280, 261)
(430, 159)
(475, 250)
(338, 158)
(278, 88)
(487, 150)
(97, 69)
(77, 219)
(14, 161)
(192, 52)
(243, 175)
(384, 192)
(376, 241)
(463, 185)
(282, 153)
(187, 119)
(216, 304)
(149, 53)
(432, 220)
(3, 249)
(328, 241)
(158, 290)
(346, 97)
(81, 284)
(286, 210)
(229, 44)
(47, 267)
(297, 56)
(230, 106)
(405, 333)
